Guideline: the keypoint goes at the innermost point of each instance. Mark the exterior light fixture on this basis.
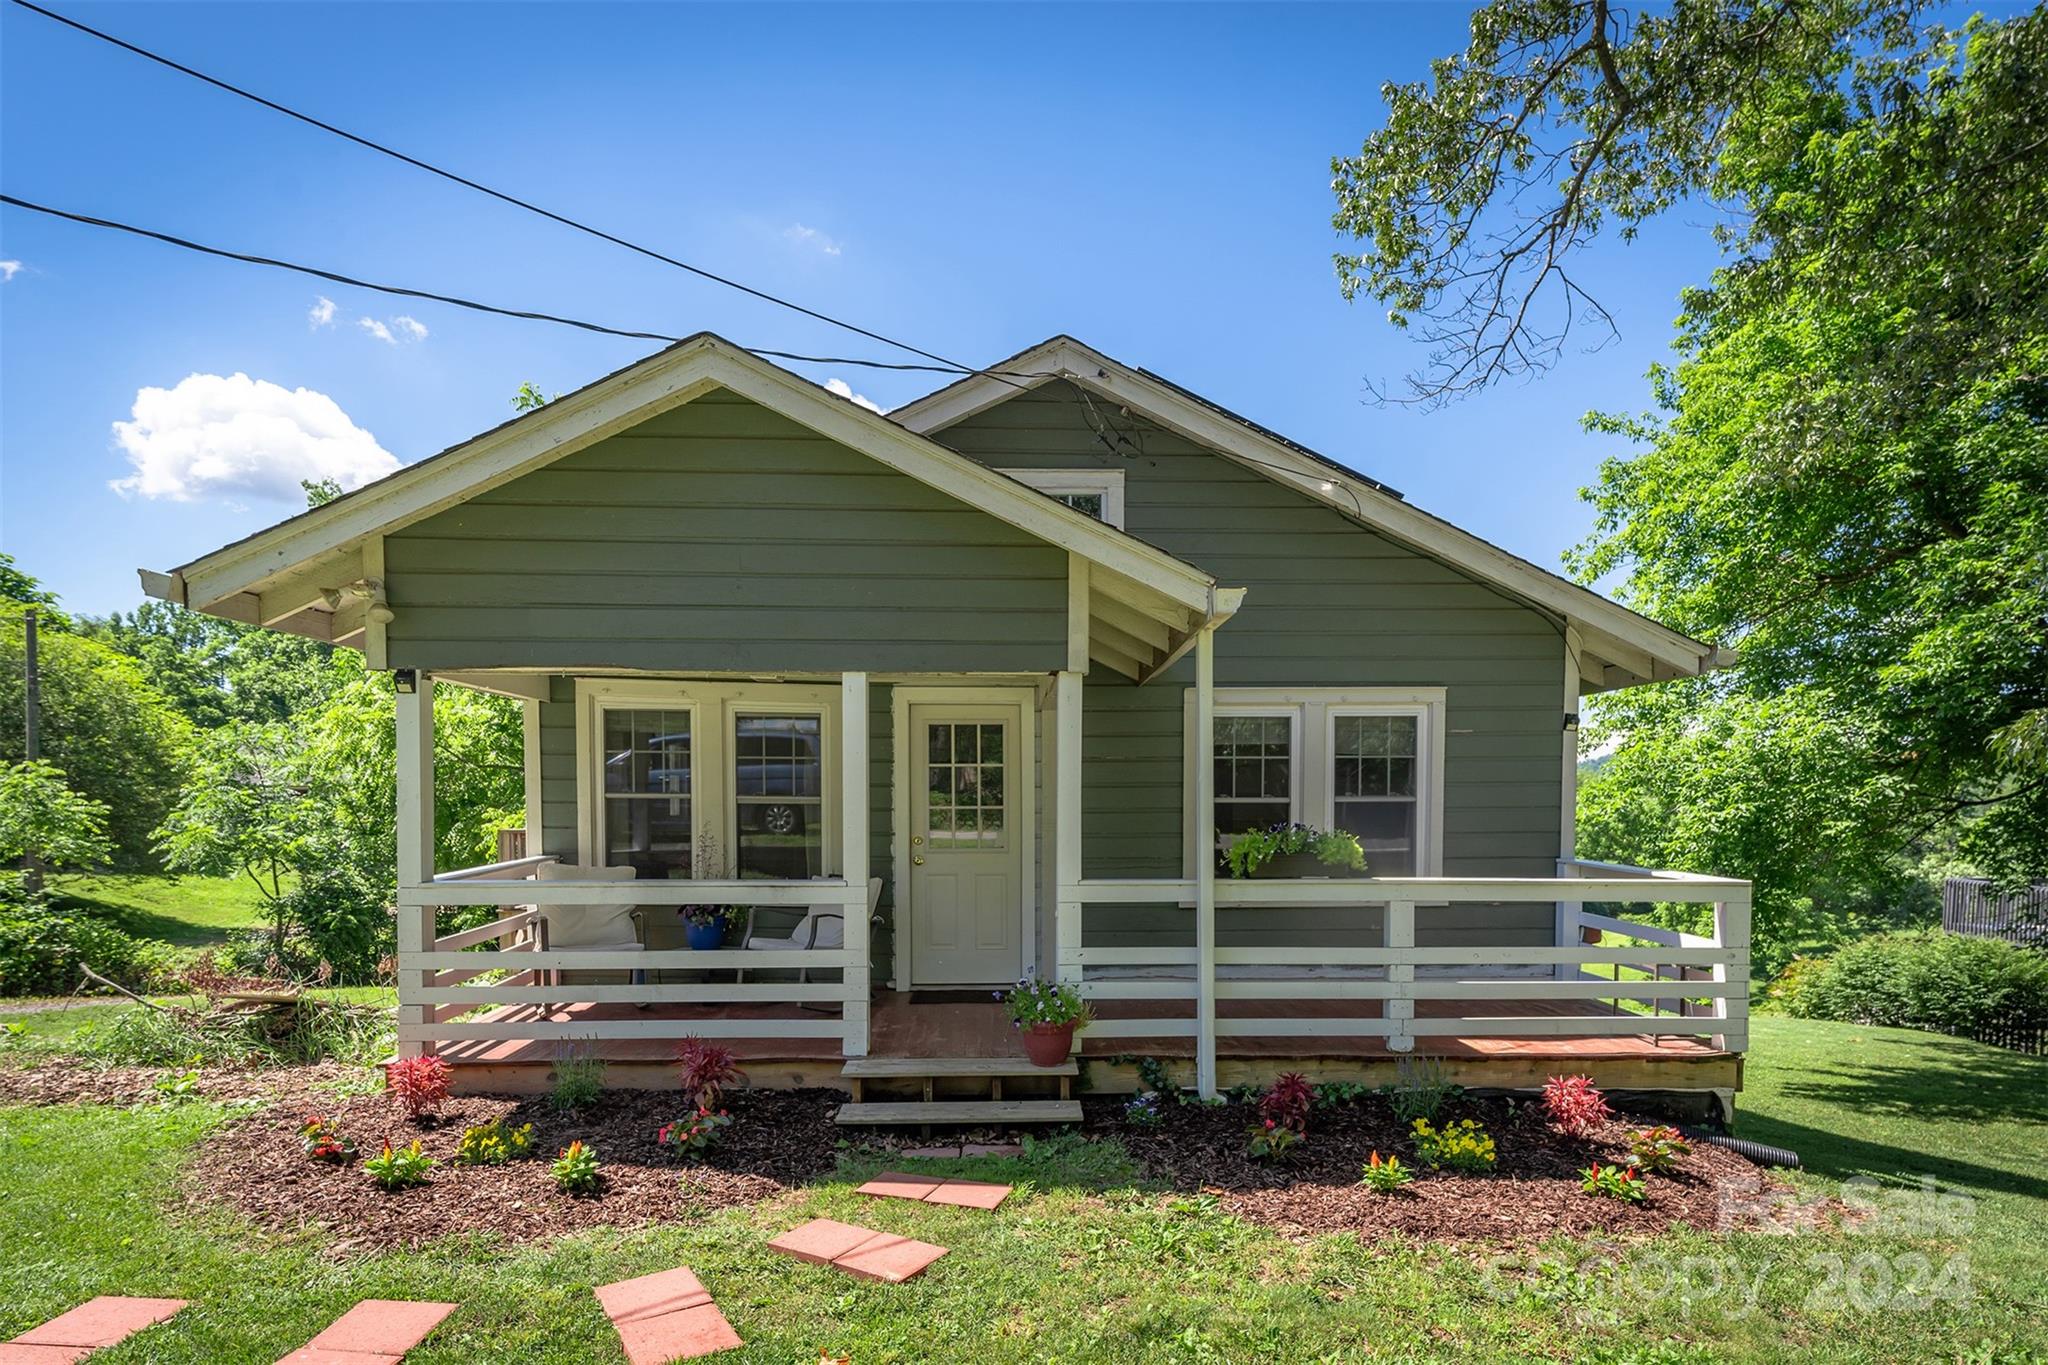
(406, 680)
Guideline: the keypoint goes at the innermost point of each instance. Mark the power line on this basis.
(459, 302)
(599, 233)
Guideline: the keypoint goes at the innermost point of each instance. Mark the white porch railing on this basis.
(1703, 978)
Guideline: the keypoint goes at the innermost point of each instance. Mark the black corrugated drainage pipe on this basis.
(1760, 1153)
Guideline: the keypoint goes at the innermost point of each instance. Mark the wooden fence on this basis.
(1970, 905)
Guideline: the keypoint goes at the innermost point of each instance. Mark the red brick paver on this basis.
(931, 1189)
(98, 1322)
(376, 1331)
(666, 1316)
(858, 1251)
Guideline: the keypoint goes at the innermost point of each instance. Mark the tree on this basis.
(112, 735)
(1561, 117)
(41, 817)
(248, 812)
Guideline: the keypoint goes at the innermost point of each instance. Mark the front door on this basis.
(968, 771)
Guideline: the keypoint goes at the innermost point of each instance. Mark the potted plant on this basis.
(1294, 850)
(1047, 1013)
(704, 925)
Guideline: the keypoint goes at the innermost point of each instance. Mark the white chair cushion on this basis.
(589, 928)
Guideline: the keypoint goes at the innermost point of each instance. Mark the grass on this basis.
(190, 912)
(1086, 1264)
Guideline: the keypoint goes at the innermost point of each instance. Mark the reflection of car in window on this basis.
(775, 758)
(659, 779)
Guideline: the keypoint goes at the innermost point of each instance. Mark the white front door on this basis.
(969, 793)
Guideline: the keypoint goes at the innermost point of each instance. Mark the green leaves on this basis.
(41, 815)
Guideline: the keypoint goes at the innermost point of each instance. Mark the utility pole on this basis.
(32, 731)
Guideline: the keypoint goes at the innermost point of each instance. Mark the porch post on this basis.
(1400, 1012)
(1067, 828)
(1205, 862)
(415, 854)
(1731, 1012)
(853, 856)
(1569, 931)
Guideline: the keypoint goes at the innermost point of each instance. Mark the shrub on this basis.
(695, 1135)
(323, 1141)
(341, 922)
(1287, 1102)
(1614, 1182)
(399, 1168)
(1385, 1175)
(1142, 1111)
(1271, 1140)
(44, 943)
(1576, 1107)
(1951, 983)
(576, 1081)
(1420, 1090)
(493, 1143)
(419, 1083)
(1461, 1146)
(1658, 1149)
(707, 1069)
(575, 1169)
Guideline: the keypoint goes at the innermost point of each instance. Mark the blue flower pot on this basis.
(704, 936)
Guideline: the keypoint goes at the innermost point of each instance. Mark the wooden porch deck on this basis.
(960, 1025)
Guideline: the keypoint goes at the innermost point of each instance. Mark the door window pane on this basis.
(778, 780)
(648, 816)
(1373, 776)
(967, 786)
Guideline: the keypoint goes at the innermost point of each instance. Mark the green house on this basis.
(978, 689)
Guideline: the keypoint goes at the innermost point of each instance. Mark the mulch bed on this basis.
(1532, 1194)
(778, 1139)
(67, 1080)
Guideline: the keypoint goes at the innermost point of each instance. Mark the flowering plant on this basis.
(493, 1144)
(575, 1169)
(1270, 1140)
(706, 1070)
(1576, 1107)
(325, 1142)
(1462, 1146)
(695, 1135)
(1033, 1001)
(397, 1169)
(1254, 848)
(1614, 1182)
(419, 1083)
(1287, 1102)
(1385, 1175)
(1142, 1111)
(1658, 1149)
(703, 916)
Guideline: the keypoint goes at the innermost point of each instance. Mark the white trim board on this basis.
(297, 551)
(1622, 647)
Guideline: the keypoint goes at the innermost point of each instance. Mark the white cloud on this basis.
(8, 270)
(811, 237)
(322, 312)
(412, 327)
(845, 390)
(377, 330)
(228, 437)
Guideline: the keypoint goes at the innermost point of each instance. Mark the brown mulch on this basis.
(778, 1139)
(67, 1080)
(1532, 1194)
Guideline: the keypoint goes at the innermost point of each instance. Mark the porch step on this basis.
(960, 1111)
(873, 1067)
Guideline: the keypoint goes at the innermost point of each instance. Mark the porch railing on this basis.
(449, 979)
(1702, 979)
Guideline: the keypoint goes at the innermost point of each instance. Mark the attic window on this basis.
(1097, 493)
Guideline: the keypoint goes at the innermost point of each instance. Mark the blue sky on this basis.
(1151, 179)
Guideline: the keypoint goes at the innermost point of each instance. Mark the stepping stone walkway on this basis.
(374, 1332)
(75, 1335)
(857, 1250)
(934, 1189)
(666, 1316)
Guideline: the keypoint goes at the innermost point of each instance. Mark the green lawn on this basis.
(1086, 1264)
(191, 912)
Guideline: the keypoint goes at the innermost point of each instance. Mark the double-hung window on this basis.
(709, 780)
(1365, 760)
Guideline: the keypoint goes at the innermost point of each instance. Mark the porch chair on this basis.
(821, 927)
(589, 928)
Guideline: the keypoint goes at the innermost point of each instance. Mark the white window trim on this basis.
(1316, 710)
(1108, 482)
(713, 708)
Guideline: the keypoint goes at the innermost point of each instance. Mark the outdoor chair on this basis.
(821, 927)
(589, 928)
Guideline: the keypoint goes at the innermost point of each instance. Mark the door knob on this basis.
(917, 860)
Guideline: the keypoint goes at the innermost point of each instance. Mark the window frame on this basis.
(715, 708)
(1062, 482)
(1316, 711)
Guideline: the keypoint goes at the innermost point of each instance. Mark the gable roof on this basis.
(1617, 647)
(320, 573)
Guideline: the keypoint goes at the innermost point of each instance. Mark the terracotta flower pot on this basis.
(1048, 1044)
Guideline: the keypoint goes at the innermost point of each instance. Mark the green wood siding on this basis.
(1330, 604)
(722, 536)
